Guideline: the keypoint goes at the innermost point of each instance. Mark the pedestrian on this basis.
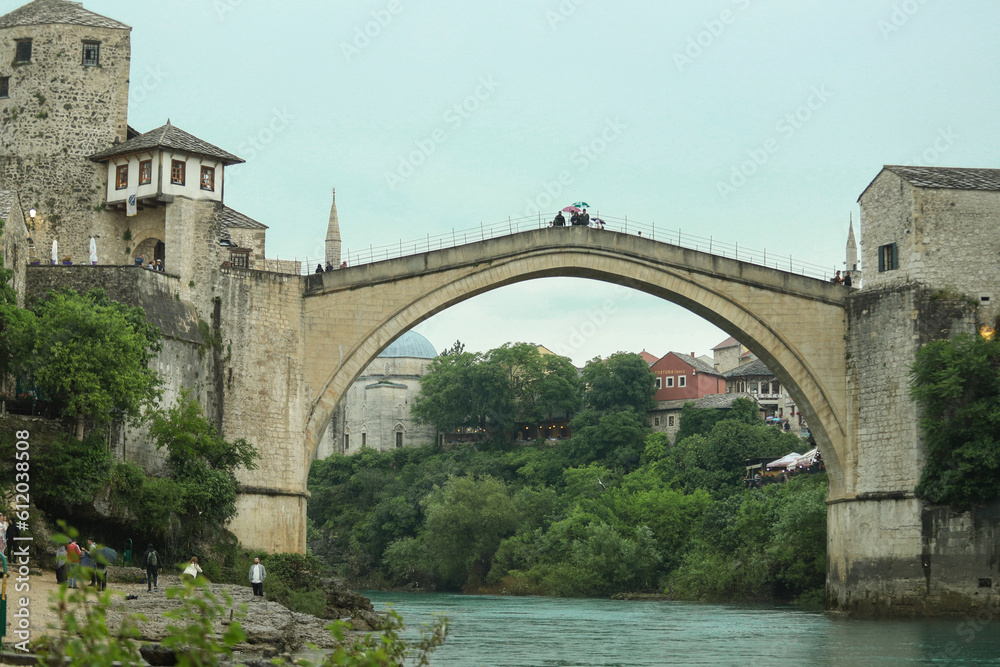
(151, 561)
(192, 570)
(99, 576)
(73, 553)
(319, 268)
(847, 278)
(329, 267)
(560, 220)
(13, 532)
(585, 219)
(61, 564)
(3, 532)
(836, 280)
(257, 575)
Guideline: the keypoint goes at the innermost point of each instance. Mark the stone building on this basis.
(680, 379)
(375, 411)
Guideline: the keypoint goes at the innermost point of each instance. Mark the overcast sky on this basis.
(754, 122)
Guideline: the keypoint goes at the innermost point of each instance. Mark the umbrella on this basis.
(55, 251)
(93, 250)
(581, 204)
(105, 555)
(571, 209)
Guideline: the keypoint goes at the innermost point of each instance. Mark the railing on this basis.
(459, 237)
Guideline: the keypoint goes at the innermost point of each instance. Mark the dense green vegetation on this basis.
(85, 352)
(957, 385)
(613, 509)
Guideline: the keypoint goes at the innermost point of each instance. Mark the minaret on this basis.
(333, 235)
(852, 254)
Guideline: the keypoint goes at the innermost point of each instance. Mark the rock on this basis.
(155, 654)
(270, 627)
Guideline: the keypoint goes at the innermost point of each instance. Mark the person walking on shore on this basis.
(257, 575)
(151, 561)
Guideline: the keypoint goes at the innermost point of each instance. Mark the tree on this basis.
(87, 352)
(701, 420)
(494, 391)
(202, 462)
(619, 382)
(956, 383)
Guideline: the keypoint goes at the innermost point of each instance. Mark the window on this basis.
(399, 439)
(682, 380)
(4, 86)
(670, 420)
(92, 53)
(177, 169)
(208, 178)
(656, 421)
(658, 383)
(145, 172)
(888, 258)
(121, 179)
(347, 441)
(364, 439)
(775, 388)
(670, 381)
(23, 53)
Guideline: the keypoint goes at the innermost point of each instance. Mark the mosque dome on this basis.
(410, 344)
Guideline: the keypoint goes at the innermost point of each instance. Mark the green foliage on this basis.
(201, 461)
(956, 383)
(622, 381)
(614, 509)
(387, 648)
(87, 352)
(697, 421)
(75, 471)
(759, 544)
(494, 391)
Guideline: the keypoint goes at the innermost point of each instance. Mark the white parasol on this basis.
(93, 250)
(55, 251)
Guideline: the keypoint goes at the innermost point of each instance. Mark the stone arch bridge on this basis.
(297, 344)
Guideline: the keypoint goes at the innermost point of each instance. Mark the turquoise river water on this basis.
(554, 632)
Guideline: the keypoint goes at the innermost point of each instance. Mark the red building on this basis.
(681, 377)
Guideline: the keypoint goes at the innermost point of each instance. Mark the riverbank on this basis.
(272, 629)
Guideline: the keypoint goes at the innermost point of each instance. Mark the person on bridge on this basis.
(837, 280)
(847, 278)
(575, 218)
(560, 220)
(319, 268)
(329, 267)
(585, 219)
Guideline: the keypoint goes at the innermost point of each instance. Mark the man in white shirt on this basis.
(257, 576)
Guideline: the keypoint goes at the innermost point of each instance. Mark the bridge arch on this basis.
(796, 325)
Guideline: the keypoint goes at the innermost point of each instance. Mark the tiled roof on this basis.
(729, 342)
(169, 137)
(674, 404)
(45, 12)
(696, 363)
(233, 218)
(648, 358)
(6, 202)
(952, 178)
(720, 401)
(755, 368)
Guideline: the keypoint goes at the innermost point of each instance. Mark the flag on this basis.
(130, 207)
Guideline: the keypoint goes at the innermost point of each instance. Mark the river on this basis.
(555, 632)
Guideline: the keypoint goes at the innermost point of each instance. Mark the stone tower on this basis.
(852, 254)
(64, 80)
(333, 235)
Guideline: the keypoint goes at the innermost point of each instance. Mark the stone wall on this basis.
(58, 113)
(889, 554)
(15, 247)
(185, 361)
(947, 239)
(266, 402)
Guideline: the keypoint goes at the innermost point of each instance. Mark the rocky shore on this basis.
(271, 628)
